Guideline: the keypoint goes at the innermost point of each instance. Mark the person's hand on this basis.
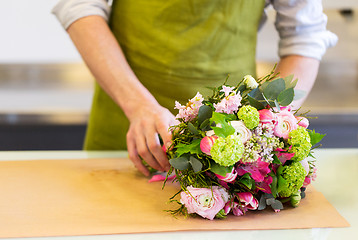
(146, 123)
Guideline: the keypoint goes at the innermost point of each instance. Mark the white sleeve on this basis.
(68, 11)
(301, 25)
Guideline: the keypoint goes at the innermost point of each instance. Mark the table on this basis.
(337, 180)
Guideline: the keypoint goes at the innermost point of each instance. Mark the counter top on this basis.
(337, 178)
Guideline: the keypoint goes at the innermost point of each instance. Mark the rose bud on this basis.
(302, 121)
(266, 116)
(229, 177)
(248, 201)
(206, 143)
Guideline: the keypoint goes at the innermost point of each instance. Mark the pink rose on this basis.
(286, 122)
(248, 201)
(229, 177)
(266, 116)
(303, 122)
(307, 181)
(206, 143)
(205, 202)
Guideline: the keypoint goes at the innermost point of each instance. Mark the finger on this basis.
(155, 148)
(163, 130)
(144, 152)
(133, 156)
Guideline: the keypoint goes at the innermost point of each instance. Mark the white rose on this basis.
(241, 130)
(250, 82)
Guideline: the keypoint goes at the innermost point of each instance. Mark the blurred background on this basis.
(46, 89)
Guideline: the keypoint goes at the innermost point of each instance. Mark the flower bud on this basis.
(302, 121)
(206, 143)
(229, 177)
(250, 82)
(295, 199)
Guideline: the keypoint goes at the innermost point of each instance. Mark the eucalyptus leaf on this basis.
(262, 203)
(205, 112)
(277, 205)
(180, 163)
(277, 105)
(220, 170)
(286, 97)
(255, 103)
(205, 125)
(196, 164)
(299, 94)
(289, 83)
(270, 201)
(192, 129)
(274, 88)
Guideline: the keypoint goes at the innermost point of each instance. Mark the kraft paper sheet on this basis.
(108, 196)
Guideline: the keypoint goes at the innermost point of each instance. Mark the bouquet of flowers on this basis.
(243, 148)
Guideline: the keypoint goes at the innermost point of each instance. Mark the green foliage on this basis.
(205, 112)
(247, 180)
(269, 200)
(193, 148)
(181, 163)
(225, 129)
(220, 170)
(315, 137)
(195, 164)
(286, 97)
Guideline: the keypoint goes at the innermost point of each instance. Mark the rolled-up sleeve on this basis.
(68, 11)
(301, 25)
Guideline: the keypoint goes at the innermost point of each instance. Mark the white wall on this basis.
(29, 33)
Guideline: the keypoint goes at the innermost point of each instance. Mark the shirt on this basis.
(301, 24)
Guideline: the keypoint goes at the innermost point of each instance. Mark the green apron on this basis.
(176, 48)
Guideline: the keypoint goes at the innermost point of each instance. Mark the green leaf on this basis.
(299, 94)
(192, 129)
(220, 170)
(256, 94)
(262, 203)
(193, 148)
(247, 180)
(255, 103)
(225, 129)
(315, 137)
(276, 160)
(205, 125)
(289, 83)
(270, 201)
(196, 164)
(180, 163)
(277, 205)
(205, 112)
(274, 88)
(273, 186)
(281, 183)
(286, 97)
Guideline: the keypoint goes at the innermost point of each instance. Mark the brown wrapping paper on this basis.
(108, 196)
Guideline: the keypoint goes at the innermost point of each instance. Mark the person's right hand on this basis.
(146, 124)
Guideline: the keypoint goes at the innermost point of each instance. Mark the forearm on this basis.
(305, 69)
(105, 59)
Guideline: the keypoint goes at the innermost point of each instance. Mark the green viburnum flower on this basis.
(227, 151)
(300, 141)
(294, 175)
(295, 199)
(250, 116)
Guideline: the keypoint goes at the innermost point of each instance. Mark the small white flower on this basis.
(250, 82)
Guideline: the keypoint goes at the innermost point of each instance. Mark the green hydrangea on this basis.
(227, 151)
(300, 141)
(250, 116)
(294, 175)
